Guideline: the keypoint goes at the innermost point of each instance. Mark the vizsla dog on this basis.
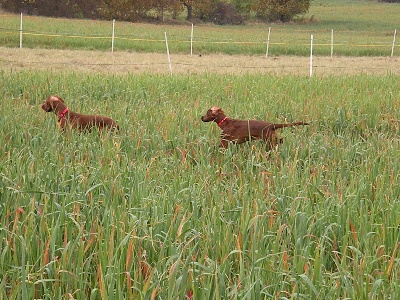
(240, 131)
(75, 120)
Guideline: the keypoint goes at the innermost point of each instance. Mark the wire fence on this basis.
(207, 40)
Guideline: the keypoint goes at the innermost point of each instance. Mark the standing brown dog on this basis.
(240, 131)
(75, 120)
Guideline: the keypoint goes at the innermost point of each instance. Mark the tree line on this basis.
(216, 11)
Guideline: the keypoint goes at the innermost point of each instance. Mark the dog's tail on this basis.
(277, 126)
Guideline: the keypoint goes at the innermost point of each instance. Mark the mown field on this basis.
(361, 28)
(157, 211)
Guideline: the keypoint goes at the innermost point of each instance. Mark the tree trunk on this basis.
(189, 11)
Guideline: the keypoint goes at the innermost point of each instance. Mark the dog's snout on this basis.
(44, 107)
(206, 118)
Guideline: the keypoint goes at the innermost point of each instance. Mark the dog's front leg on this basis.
(223, 143)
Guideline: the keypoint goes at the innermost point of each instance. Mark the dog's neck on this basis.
(220, 120)
(61, 110)
(58, 107)
(62, 114)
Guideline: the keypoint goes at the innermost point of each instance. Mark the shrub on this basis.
(225, 13)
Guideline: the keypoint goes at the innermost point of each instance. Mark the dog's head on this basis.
(51, 103)
(212, 114)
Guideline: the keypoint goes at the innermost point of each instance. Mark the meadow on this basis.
(158, 211)
(361, 28)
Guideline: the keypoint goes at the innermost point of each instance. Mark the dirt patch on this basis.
(157, 63)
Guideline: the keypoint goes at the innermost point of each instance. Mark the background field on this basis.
(360, 28)
(157, 211)
(157, 63)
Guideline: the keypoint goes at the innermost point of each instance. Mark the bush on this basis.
(225, 13)
(278, 10)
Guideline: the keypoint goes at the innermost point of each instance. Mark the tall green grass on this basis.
(360, 28)
(157, 211)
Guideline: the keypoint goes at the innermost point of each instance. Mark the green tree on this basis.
(162, 6)
(126, 10)
(242, 6)
(280, 10)
(51, 8)
(199, 8)
(219, 11)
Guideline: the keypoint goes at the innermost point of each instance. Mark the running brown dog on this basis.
(240, 131)
(76, 120)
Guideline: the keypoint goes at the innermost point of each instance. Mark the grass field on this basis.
(157, 211)
(361, 28)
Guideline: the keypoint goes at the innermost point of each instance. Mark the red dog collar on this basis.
(222, 121)
(62, 114)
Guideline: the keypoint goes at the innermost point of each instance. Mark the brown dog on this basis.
(240, 131)
(75, 120)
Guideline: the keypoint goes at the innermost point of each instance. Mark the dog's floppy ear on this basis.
(55, 98)
(59, 98)
(216, 110)
(51, 103)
